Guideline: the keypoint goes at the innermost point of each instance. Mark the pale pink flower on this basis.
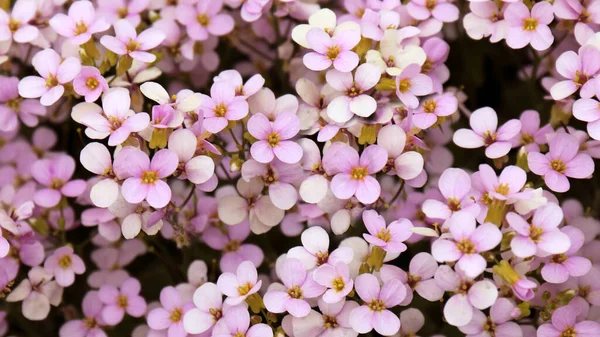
(443, 11)
(80, 23)
(374, 24)
(64, 264)
(507, 186)
(54, 72)
(222, 106)
(237, 287)
(337, 280)
(529, 28)
(330, 50)
(204, 19)
(27, 110)
(235, 251)
(560, 267)
(391, 237)
(55, 174)
(113, 10)
(484, 123)
(90, 83)
(121, 300)
(353, 96)
(467, 242)
(407, 165)
(234, 78)
(455, 185)
(412, 83)
(333, 320)
(564, 323)
(169, 316)
(236, 322)
(128, 42)
(579, 70)
(197, 169)
(16, 25)
(208, 311)
(562, 161)
(374, 314)
(501, 315)
(588, 110)
(486, 19)
(274, 138)
(541, 236)
(314, 251)
(532, 135)
(430, 109)
(38, 291)
(145, 182)
(419, 278)
(91, 324)
(280, 179)
(251, 10)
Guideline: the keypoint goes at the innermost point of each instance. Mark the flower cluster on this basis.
(254, 168)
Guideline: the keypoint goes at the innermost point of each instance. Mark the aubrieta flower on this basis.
(411, 83)
(170, 315)
(332, 320)
(374, 314)
(578, 69)
(443, 11)
(208, 311)
(468, 240)
(38, 291)
(432, 108)
(204, 19)
(314, 251)
(274, 138)
(419, 277)
(235, 251)
(565, 323)
(529, 28)
(55, 174)
(237, 287)
(562, 160)
(80, 23)
(121, 300)
(54, 72)
(64, 264)
(455, 186)
(485, 132)
(532, 134)
(113, 10)
(222, 106)
(331, 50)
(127, 42)
(560, 267)
(236, 322)
(337, 280)
(352, 99)
(90, 83)
(16, 26)
(389, 237)
(197, 169)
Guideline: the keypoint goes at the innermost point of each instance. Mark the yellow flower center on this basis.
(56, 184)
(176, 315)
(490, 326)
(359, 173)
(412, 280)
(149, 177)
(502, 189)
(14, 104)
(454, 204)
(295, 292)
(427, 66)
(430, 4)
(91, 83)
(384, 234)
(527, 138)
(332, 52)
(465, 246)
(80, 28)
(273, 139)
(203, 20)
(429, 106)
(232, 246)
(244, 289)
(558, 165)
(122, 12)
(122, 301)
(535, 233)
(13, 25)
(489, 138)
(329, 322)
(569, 332)
(132, 46)
(353, 92)
(220, 110)
(51, 81)
(404, 85)
(90, 323)
(559, 258)
(376, 305)
(530, 24)
(338, 284)
(65, 262)
(322, 258)
(216, 314)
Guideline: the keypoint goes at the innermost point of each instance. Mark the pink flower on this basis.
(579, 70)
(455, 185)
(484, 123)
(273, 138)
(234, 78)
(419, 278)
(54, 173)
(204, 20)
(64, 264)
(560, 162)
(170, 315)
(500, 316)
(208, 311)
(559, 267)
(507, 186)
(337, 280)
(236, 322)
(237, 287)
(353, 99)
(80, 24)
(330, 50)
(235, 251)
(145, 182)
(90, 83)
(222, 106)
(28, 110)
(541, 236)
(91, 324)
(390, 237)
(197, 169)
(485, 19)
(374, 24)
(299, 286)
(16, 25)
(443, 10)
(564, 323)
(437, 106)
(374, 314)
(114, 120)
(588, 110)
(407, 165)
(279, 177)
(353, 174)
(118, 301)
(251, 10)
(128, 42)
(466, 243)
(113, 10)
(38, 291)
(532, 135)
(412, 83)
(315, 250)
(54, 73)
(525, 28)
(333, 320)
(468, 294)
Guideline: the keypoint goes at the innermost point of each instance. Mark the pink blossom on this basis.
(564, 322)
(334, 319)
(374, 314)
(374, 24)
(330, 50)
(55, 174)
(164, 116)
(337, 280)
(529, 28)
(579, 70)
(28, 110)
(407, 165)
(237, 287)
(506, 187)
(235, 251)
(532, 135)
(145, 182)
(169, 316)
(419, 278)
(455, 185)
(466, 243)
(80, 24)
(234, 78)
(16, 25)
(128, 42)
(208, 311)
(314, 251)
(38, 291)
(484, 123)
(468, 294)
(251, 10)
(298, 287)
(54, 72)
(541, 236)
(114, 119)
(222, 106)
(64, 264)
(560, 266)
(443, 11)
(236, 322)
(500, 316)
(353, 173)
(279, 177)
(562, 161)
(390, 237)
(113, 10)
(412, 83)
(90, 83)
(273, 138)
(121, 300)
(204, 19)
(588, 110)
(197, 169)
(486, 19)
(353, 99)
(437, 106)
(91, 324)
